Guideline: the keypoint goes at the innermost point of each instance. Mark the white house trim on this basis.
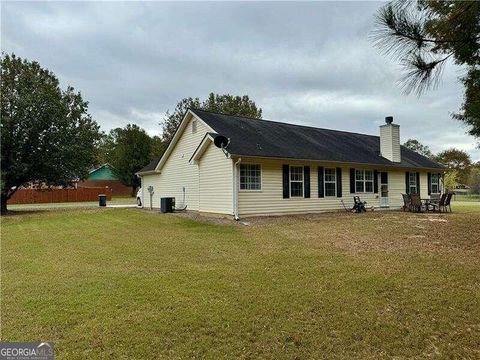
(207, 139)
(177, 136)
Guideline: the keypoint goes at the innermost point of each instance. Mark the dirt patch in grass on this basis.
(385, 231)
(380, 231)
(207, 219)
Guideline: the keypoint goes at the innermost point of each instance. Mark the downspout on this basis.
(235, 190)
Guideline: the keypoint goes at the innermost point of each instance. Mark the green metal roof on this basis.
(104, 172)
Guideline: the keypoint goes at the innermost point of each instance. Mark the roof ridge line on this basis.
(283, 123)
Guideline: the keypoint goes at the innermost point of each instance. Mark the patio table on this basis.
(427, 202)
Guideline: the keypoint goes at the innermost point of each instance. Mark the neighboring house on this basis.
(103, 176)
(461, 189)
(271, 167)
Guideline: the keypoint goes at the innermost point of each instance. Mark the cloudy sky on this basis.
(305, 63)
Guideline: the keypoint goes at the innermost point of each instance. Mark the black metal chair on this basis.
(358, 205)
(446, 205)
(434, 205)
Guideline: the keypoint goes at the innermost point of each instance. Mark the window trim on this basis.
(437, 183)
(365, 181)
(296, 181)
(329, 182)
(239, 176)
(410, 183)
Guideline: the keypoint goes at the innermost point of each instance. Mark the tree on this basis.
(458, 160)
(450, 180)
(47, 135)
(474, 180)
(158, 147)
(131, 152)
(424, 35)
(105, 148)
(416, 146)
(225, 104)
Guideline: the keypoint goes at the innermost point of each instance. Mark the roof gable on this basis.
(197, 154)
(157, 164)
(189, 114)
(103, 172)
(264, 138)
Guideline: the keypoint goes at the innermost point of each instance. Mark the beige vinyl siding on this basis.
(178, 172)
(270, 199)
(390, 142)
(216, 177)
(148, 180)
(397, 151)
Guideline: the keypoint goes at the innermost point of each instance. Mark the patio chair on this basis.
(434, 202)
(446, 206)
(407, 204)
(358, 205)
(416, 202)
(441, 203)
(437, 205)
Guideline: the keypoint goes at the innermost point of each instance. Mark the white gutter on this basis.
(235, 190)
(149, 172)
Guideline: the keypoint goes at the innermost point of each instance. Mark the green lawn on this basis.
(118, 200)
(127, 283)
(467, 197)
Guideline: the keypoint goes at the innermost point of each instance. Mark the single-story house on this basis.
(103, 176)
(241, 166)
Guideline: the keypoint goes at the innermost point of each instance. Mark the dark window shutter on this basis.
(375, 181)
(418, 183)
(384, 177)
(407, 187)
(306, 181)
(286, 181)
(339, 182)
(352, 181)
(320, 182)
(429, 179)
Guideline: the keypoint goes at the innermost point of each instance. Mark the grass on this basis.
(126, 283)
(467, 197)
(117, 200)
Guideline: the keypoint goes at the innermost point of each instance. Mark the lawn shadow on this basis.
(13, 213)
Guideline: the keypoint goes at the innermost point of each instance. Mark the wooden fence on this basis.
(118, 189)
(33, 196)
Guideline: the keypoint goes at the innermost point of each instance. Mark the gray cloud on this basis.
(307, 63)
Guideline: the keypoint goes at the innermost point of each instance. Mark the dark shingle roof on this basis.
(151, 165)
(264, 138)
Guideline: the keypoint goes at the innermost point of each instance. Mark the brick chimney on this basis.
(390, 140)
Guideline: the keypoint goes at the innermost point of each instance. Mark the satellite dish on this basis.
(221, 141)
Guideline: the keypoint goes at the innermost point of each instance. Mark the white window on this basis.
(296, 181)
(364, 181)
(250, 177)
(412, 183)
(330, 182)
(435, 183)
(194, 126)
